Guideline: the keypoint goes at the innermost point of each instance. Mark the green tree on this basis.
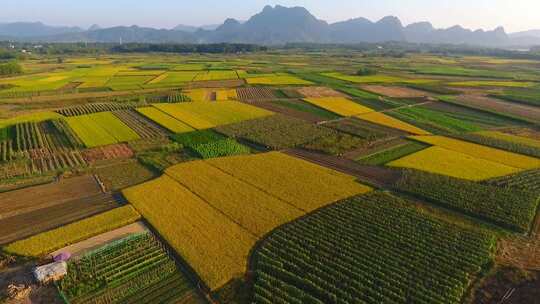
(10, 68)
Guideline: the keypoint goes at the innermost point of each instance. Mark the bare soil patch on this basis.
(27, 224)
(396, 92)
(25, 200)
(22, 275)
(491, 104)
(318, 92)
(116, 151)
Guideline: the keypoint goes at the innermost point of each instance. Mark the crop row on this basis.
(145, 128)
(373, 248)
(93, 108)
(504, 142)
(509, 208)
(526, 181)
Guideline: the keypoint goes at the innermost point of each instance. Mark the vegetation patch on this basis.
(388, 121)
(339, 105)
(168, 122)
(312, 259)
(388, 155)
(434, 120)
(509, 208)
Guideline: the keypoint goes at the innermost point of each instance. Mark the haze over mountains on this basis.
(274, 26)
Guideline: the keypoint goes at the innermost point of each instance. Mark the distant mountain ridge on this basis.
(274, 26)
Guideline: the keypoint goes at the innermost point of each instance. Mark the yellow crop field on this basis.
(165, 120)
(212, 244)
(511, 138)
(391, 122)
(158, 78)
(482, 152)
(226, 95)
(451, 163)
(197, 94)
(33, 117)
(212, 114)
(251, 208)
(278, 80)
(49, 241)
(339, 105)
(303, 184)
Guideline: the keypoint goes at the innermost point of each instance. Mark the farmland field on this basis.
(354, 251)
(303, 173)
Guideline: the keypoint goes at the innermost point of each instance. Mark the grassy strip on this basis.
(220, 148)
(388, 155)
(49, 241)
(434, 120)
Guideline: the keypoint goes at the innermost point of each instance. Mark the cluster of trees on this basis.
(10, 68)
(218, 48)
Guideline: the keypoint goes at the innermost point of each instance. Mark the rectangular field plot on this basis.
(57, 238)
(277, 80)
(136, 268)
(89, 132)
(368, 238)
(391, 122)
(376, 79)
(212, 213)
(509, 208)
(339, 105)
(114, 126)
(482, 152)
(209, 115)
(302, 184)
(215, 246)
(171, 79)
(216, 75)
(451, 163)
(165, 120)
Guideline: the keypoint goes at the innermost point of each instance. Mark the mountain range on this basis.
(274, 26)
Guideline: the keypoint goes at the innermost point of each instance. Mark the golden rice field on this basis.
(212, 244)
(448, 162)
(165, 120)
(511, 138)
(209, 115)
(226, 95)
(482, 152)
(391, 122)
(339, 105)
(101, 129)
(253, 209)
(49, 241)
(303, 184)
(212, 212)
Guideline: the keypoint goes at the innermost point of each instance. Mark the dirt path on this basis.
(78, 249)
(377, 176)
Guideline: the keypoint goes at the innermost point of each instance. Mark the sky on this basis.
(514, 15)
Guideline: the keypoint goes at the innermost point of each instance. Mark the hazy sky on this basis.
(514, 15)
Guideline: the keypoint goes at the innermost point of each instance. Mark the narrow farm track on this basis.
(377, 176)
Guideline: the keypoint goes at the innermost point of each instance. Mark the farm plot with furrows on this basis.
(39, 219)
(15, 168)
(456, 164)
(29, 199)
(114, 126)
(503, 141)
(93, 108)
(57, 161)
(528, 181)
(390, 122)
(394, 152)
(192, 227)
(247, 94)
(302, 184)
(276, 132)
(66, 235)
(319, 92)
(115, 151)
(122, 175)
(135, 268)
(363, 129)
(297, 109)
(507, 207)
(143, 127)
(481, 152)
(529, 113)
(165, 120)
(209, 115)
(259, 213)
(528, 97)
(354, 252)
(339, 105)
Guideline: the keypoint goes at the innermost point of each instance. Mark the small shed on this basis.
(50, 272)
